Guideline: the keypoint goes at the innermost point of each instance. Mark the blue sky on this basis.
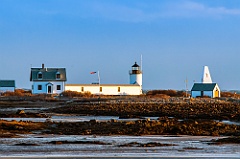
(175, 37)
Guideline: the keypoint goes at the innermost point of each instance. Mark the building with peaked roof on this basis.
(134, 88)
(48, 80)
(205, 89)
(7, 85)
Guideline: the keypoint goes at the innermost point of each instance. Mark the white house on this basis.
(48, 80)
(7, 86)
(134, 88)
(207, 87)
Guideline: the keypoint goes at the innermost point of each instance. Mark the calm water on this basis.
(185, 146)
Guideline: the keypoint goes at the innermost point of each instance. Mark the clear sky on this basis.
(175, 37)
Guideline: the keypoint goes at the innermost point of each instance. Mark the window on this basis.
(39, 76)
(58, 75)
(118, 89)
(100, 89)
(58, 87)
(82, 89)
(39, 87)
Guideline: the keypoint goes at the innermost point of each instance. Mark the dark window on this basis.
(39, 87)
(100, 89)
(82, 89)
(40, 75)
(58, 76)
(118, 89)
(58, 87)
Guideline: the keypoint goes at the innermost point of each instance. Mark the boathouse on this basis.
(205, 89)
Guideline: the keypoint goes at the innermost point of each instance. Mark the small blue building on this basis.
(7, 85)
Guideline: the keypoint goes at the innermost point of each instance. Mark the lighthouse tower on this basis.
(136, 74)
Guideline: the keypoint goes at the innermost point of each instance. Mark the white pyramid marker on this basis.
(206, 78)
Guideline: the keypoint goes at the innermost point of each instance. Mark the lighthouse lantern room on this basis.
(136, 74)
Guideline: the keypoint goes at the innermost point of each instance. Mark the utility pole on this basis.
(186, 81)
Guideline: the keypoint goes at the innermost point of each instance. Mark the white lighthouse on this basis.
(136, 74)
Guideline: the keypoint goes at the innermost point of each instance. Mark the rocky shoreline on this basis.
(197, 118)
(163, 126)
(209, 111)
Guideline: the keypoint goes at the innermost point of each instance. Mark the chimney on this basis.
(43, 66)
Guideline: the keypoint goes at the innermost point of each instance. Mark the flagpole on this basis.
(99, 81)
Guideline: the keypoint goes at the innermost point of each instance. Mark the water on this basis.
(185, 146)
(77, 118)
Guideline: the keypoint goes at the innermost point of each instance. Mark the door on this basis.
(216, 93)
(49, 89)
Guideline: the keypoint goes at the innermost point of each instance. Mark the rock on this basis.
(20, 112)
(48, 120)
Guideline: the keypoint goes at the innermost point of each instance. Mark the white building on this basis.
(48, 80)
(7, 86)
(207, 87)
(106, 89)
(134, 88)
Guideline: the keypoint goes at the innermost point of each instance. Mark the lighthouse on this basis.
(136, 74)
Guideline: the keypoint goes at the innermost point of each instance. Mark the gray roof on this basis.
(48, 74)
(7, 83)
(203, 86)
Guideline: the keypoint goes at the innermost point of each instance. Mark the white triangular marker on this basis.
(206, 78)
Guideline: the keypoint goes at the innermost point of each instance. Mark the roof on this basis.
(7, 83)
(48, 74)
(203, 86)
(135, 65)
(102, 85)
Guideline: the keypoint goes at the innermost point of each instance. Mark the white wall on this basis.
(106, 90)
(44, 87)
(136, 78)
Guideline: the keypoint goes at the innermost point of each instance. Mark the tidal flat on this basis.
(120, 127)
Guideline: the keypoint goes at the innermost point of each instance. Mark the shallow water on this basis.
(186, 146)
(78, 118)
